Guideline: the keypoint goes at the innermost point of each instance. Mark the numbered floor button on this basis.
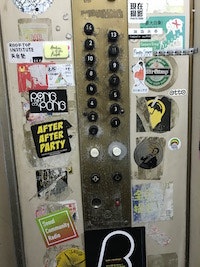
(88, 28)
(92, 103)
(89, 44)
(92, 116)
(91, 89)
(115, 122)
(90, 74)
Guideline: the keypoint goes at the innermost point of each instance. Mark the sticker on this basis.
(71, 257)
(32, 118)
(142, 33)
(60, 75)
(139, 74)
(57, 227)
(178, 92)
(161, 73)
(152, 202)
(57, 50)
(32, 77)
(51, 138)
(35, 30)
(156, 114)
(174, 143)
(142, 52)
(173, 36)
(137, 11)
(48, 101)
(165, 6)
(33, 7)
(115, 247)
(34, 52)
(148, 154)
(51, 182)
(162, 260)
(158, 236)
(25, 52)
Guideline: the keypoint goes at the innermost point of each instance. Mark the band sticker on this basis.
(57, 227)
(157, 235)
(152, 202)
(51, 138)
(48, 101)
(115, 247)
(161, 260)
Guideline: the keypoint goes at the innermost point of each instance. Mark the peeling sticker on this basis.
(158, 236)
(152, 202)
(163, 260)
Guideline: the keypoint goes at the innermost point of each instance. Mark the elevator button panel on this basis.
(101, 67)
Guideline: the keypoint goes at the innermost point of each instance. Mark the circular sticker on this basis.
(174, 143)
(161, 73)
(33, 7)
(148, 154)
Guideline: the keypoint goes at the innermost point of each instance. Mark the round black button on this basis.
(115, 122)
(92, 116)
(115, 109)
(114, 94)
(95, 178)
(117, 176)
(92, 103)
(96, 203)
(90, 74)
(114, 65)
(113, 50)
(113, 36)
(89, 44)
(91, 89)
(90, 59)
(93, 130)
(88, 28)
(114, 80)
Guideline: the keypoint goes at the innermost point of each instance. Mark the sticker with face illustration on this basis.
(156, 114)
(148, 155)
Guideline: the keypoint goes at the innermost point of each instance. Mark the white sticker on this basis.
(178, 92)
(25, 52)
(60, 75)
(139, 74)
(143, 52)
(174, 143)
(137, 10)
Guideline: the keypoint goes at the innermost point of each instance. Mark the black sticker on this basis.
(149, 153)
(51, 138)
(45, 101)
(115, 247)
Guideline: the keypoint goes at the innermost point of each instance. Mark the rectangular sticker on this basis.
(60, 75)
(152, 202)
(48, 101)
(57, 227)
(137, 11)
(115, 247)
(51, 138)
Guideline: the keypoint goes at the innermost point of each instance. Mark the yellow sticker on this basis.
(54, 50)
